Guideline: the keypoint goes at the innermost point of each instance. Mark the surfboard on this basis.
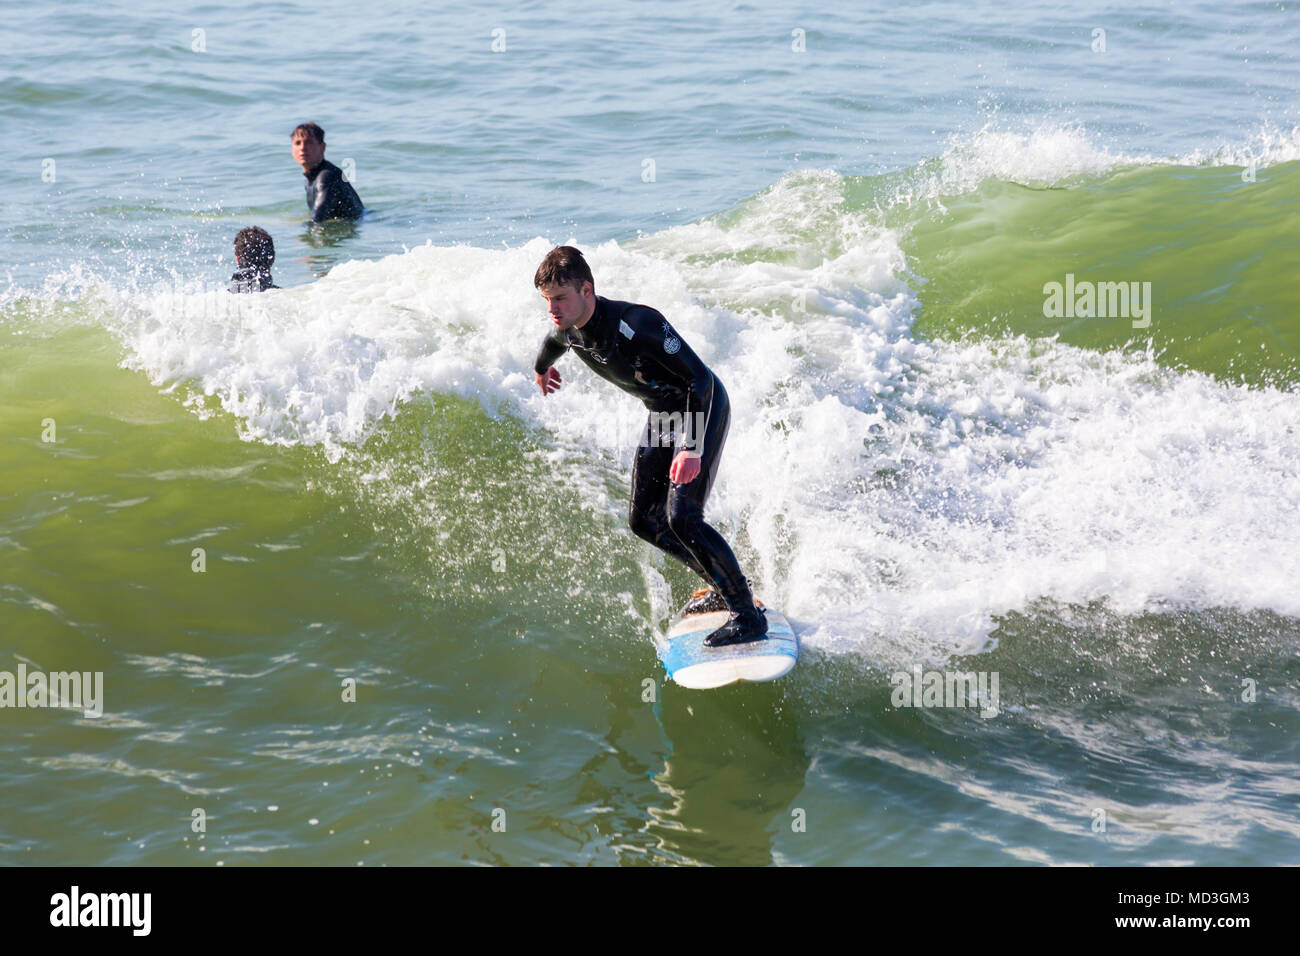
(690, 663)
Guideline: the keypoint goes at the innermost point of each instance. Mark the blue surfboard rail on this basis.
(684, 646)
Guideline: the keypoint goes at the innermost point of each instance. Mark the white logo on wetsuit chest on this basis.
(671, 342)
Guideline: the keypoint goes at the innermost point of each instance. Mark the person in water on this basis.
(329, 195)
(635, 348)
(254, 256)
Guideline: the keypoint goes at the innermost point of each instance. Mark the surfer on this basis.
(329, 195)
(635, 348)
(254, 256)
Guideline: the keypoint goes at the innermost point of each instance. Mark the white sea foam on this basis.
(1268, 146)
(910, 491)
(1044, 156)
(1055, 154)
(894, 495)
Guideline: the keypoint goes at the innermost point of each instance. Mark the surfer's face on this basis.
(569, 305)
(307, 150)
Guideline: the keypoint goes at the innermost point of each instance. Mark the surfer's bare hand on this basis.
(549, 382)
(685, 468)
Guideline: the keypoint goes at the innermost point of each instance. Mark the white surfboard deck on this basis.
(690, 663)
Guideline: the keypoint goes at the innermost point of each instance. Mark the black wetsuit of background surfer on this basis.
(251, 279)
(329, 195)
(634, 347)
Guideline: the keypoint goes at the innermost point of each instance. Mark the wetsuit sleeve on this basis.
(352, 200)
(659, 341)
(552, 349)
(321, 210)
(335, 198)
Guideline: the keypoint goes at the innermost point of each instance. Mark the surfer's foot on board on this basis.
(705, 601)
(741, 627)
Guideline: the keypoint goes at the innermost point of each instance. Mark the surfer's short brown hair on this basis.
(253, 247)
(315, 131)
(563, 265)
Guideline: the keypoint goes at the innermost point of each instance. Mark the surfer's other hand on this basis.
(685, 468)
(549, 382)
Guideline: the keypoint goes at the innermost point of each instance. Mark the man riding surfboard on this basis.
(634, 347)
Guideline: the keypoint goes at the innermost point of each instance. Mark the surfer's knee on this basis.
(684, 516)
(644, 525)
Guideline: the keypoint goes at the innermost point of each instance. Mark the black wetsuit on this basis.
(329, 195)
(251, 279)
(634, 347)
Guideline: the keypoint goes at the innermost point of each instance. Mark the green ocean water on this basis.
(1217, 250)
